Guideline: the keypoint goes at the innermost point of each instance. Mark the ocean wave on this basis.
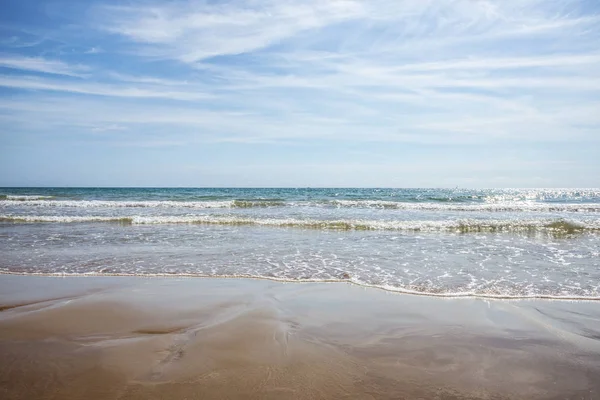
(460, 226)
(497, 293)
(21, 198)
(62, 219)
(142, 204)
(28, 201)
(257, 203)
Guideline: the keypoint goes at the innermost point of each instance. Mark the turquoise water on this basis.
(314, 194)
(449, 242)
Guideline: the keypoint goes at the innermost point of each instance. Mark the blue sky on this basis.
(412, 93)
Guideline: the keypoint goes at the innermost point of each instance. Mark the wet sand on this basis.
(161, 338)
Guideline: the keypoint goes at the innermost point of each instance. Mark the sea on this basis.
(498, 243)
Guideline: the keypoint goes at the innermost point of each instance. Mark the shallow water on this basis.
(446, 242)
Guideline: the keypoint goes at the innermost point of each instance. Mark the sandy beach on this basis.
(161, 338)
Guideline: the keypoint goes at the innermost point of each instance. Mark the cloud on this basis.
(99, 89)
(147, 79)
(327, 122)
(93, 50)
(195, 31)
(42, 65)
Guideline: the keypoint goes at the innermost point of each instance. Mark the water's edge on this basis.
(284, 280)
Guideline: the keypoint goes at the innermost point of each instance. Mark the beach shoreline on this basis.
(132, 337)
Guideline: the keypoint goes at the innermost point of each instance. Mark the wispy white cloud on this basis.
(14, 42)
(93, 50)
(194, 31)
(148, 79)
(343, 122)
(42, 65)
(99, 89)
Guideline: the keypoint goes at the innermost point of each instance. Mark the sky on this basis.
(290, 93)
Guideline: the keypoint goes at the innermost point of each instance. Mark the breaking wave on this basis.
(461, 226)
(140, 204)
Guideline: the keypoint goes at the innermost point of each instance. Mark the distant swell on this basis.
(510, 206)
(461, 226)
